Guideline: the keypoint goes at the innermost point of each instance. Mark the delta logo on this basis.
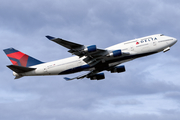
(146, 40)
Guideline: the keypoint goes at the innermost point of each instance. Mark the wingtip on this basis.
(67, 79)
(50, 37)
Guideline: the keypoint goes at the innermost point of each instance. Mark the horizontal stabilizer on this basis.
(20, 69)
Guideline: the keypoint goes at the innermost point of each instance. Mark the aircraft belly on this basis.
(145, 49)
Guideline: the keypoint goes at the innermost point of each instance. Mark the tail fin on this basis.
(20, 59)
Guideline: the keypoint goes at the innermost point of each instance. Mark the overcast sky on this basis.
(149, 89)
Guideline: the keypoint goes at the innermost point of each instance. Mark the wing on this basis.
(91, 52)
(65, 43)
(87, 75)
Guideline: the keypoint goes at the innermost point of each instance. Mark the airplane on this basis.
(88, 58)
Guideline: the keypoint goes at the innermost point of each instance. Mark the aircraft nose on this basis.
(174, 40)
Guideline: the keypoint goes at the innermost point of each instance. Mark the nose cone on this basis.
(174, 40)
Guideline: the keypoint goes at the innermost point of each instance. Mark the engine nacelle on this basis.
(115, 53)
(98, 76)
(91, 48)
(118, 69)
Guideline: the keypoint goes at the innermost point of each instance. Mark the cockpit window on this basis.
(162, 35)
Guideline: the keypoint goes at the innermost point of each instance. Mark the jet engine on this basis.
(98, 76)
(118, 69)
(115, 53)
(91, 48)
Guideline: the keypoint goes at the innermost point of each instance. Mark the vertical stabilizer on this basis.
(20, 59)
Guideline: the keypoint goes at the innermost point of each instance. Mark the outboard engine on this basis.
(98, 76)
(91, 48)
(118, 69)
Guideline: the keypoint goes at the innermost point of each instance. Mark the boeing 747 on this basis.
(88, 58)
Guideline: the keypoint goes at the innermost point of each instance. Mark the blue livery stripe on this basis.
(76, 69)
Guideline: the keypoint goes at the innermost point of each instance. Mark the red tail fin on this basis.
(20, 59)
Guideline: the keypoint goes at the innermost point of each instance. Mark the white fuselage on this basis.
(134, 48)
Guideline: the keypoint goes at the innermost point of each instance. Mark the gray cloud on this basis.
(148, 81)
